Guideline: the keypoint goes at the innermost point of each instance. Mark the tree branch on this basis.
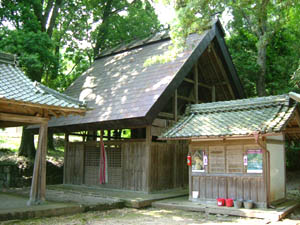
(46, 13)
(57, 6)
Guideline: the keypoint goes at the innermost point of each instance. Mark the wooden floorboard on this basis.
(183, 203)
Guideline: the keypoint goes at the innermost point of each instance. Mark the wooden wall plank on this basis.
(209, 188)
(247, 189)
(240, 188)
(202, 187)
(231, 184)
(222, 187)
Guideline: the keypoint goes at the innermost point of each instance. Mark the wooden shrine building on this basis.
(129, 97)
(237, 147)
(23, 102)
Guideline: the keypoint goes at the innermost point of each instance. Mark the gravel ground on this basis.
(149, 216)
(172, 217)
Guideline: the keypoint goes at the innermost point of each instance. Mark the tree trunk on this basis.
(102, 28)
(261, 61)
(27, 148)
(262, 47)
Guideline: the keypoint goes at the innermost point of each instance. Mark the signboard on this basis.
(205, 160)
(197, 161)
(254, 161)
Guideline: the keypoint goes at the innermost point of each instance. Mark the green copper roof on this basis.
(237, 117)
(15, 86)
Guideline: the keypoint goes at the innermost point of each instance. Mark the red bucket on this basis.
(220, 201)
(229, 202)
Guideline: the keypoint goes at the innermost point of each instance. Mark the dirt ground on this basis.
(149, 216)
(165, 217)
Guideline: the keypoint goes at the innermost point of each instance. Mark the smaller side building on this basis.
(237, 148)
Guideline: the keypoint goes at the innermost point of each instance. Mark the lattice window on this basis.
(92, 156)
(216, 159)
(114, 156)
(234, 157)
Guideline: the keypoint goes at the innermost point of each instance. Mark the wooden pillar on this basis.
(147, 181)
(65, 156)
(38, 185)
(213, 93)
(175, 106)
(196, 77)
(190, 176)
(108, 135)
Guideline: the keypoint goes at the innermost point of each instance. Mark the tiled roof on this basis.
(119, 87)
(15, 86)
(164, 34)
(237, 117)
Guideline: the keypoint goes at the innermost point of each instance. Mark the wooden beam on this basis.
(38, 184)
(166, 115)
(189, 80)
(293, 130)
(4, 124)
(54, 113)
(22, 118)
(42, 106)
(196, 78)
(186, 98)
(199, 83)
(204, 85)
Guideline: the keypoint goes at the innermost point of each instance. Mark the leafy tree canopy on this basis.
(264, 35)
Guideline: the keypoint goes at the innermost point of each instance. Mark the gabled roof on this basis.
(121, 89)
(234, 118)
(16, 87)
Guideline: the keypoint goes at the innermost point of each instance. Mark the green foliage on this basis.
(56, 41)
(282, 59)
(243, 52)
(292, 155)
(295, 81)
(264, 39)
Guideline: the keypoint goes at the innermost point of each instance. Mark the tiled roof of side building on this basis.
(15, 86)
(237, 117)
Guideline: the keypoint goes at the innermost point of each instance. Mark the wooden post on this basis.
(38, 185)
(148, 159)
(175, 106)
(213, 93)
(190, 177)
(196, 76)
(65, 156)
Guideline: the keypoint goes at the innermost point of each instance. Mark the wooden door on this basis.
(74, 163)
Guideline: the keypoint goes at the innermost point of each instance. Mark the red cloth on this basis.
(102, 163)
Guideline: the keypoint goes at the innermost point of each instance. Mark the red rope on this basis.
(102, 162)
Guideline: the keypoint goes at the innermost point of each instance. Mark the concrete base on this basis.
(72, 199)
(88, 194)
(183, 203)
